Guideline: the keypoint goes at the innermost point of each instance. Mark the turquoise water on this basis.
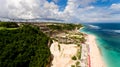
(108, 39)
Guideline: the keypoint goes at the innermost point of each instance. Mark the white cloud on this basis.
(75, 11)
(19, 8)
(93, 13)
(115, 6)
(27, 9)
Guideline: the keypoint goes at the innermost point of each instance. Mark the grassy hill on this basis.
(24, 46)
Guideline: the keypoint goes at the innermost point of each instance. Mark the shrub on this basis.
(72, 65)
(24, 47)
(74, 58)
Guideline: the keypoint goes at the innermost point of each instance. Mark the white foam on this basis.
(95, 27)
(117, 31)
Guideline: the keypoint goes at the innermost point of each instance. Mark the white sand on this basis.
(62, 58)
(95, 56)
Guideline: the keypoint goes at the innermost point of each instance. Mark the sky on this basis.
(61, 10)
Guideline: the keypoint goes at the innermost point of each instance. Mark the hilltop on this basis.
(30, 44)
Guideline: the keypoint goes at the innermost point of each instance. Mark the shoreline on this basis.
(96, 59)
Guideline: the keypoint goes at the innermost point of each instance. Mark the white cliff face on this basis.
(63, 57)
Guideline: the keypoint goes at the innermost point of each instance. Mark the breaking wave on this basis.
(93, 26)
(115, 31)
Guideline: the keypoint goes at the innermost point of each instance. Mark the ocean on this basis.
(108, 41)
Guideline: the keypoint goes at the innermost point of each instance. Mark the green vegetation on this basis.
(3, 28)
(61, 27)
(79, 53)
(72, 65)
(55, 27)
(77, 63)
(82, 40)
(23, 47)
(74, 58)
(8, 24)
(59, 48)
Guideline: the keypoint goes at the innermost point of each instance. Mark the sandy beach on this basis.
(95, 59)
(91, 56)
